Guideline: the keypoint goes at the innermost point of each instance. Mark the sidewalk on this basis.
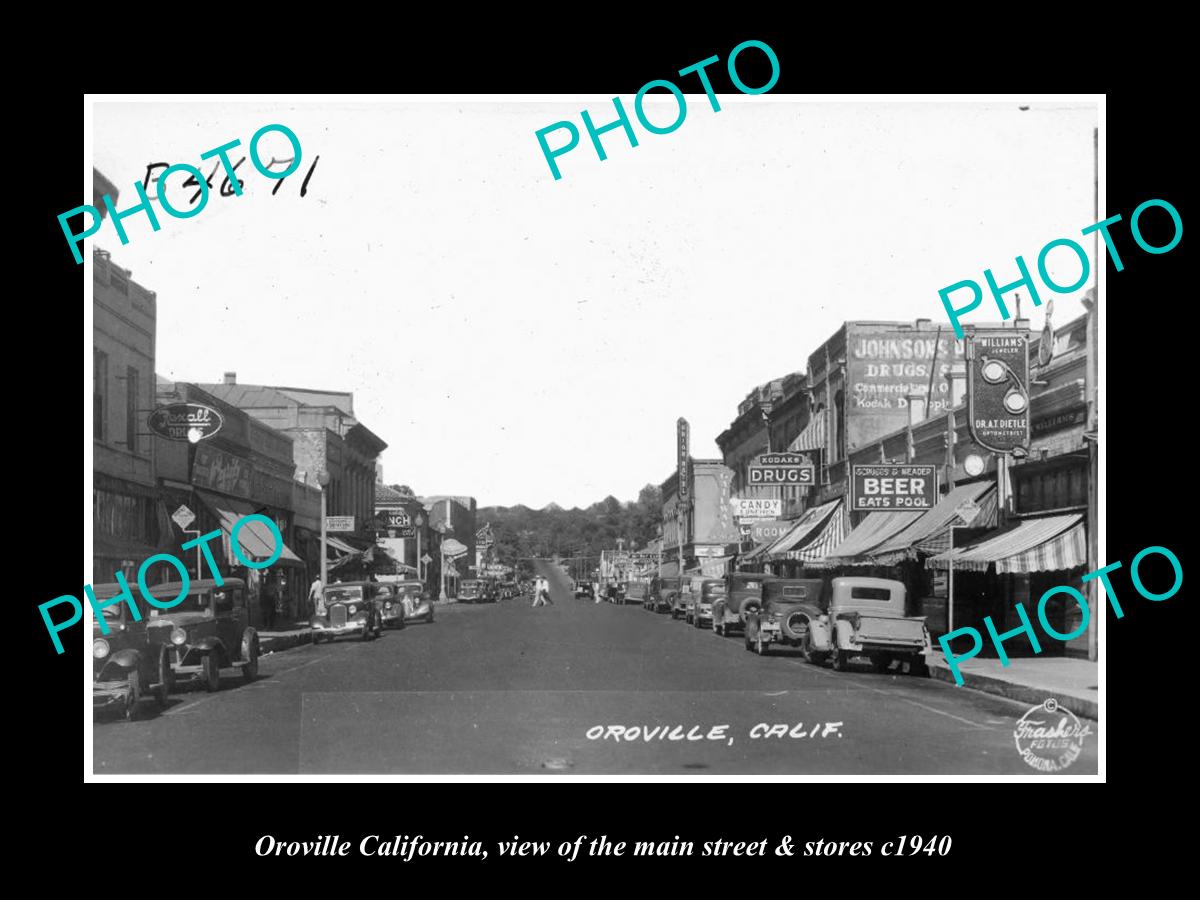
(1072, 682)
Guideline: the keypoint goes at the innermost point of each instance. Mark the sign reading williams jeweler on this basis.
(185, 421)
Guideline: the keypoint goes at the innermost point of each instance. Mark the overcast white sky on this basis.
(526, 340)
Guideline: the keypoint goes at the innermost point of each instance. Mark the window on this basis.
(131, 409)
(99, 392)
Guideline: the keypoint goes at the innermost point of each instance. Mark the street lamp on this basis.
(323, 481)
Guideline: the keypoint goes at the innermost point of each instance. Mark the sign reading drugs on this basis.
(782, 468)
(682, 460)
(998, 389)
(893, 487)
(746, 508)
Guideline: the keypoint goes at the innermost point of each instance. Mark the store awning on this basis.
(256, 539)
(1035, 545)
(806, 526)
(872, 531)
(339, 545)
(670, 569)
(812, 437)
(930, 533)
(832, 533)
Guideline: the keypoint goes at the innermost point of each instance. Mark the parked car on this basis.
(636, 591)
(389, 600)
(839, 619)
(415, 601)
(349, 609)
(662, 593)
(585, 591)
(743, 593)
(126, 666)
(682, 597)
(205, 632)
(614, 592)
(472, 590)
(703, 596)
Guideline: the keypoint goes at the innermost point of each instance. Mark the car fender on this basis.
(845, 633)
(819, 635)
(125, 660)
(209, 644)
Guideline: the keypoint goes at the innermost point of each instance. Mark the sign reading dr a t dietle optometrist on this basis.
(893, 487)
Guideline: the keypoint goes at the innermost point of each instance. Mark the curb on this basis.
(1025, 693)
(277, 642)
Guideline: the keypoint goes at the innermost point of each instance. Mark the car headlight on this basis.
(352, 610)
(99, 648)
(178, 637)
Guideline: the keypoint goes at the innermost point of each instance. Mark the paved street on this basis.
(504, 688)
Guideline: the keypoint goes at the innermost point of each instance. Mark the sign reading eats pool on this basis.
(893, 487)
(782, 468)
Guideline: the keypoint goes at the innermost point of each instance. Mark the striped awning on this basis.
(837, 526)
(339, 545)
(807, 525)
(931, 532)
(875, 529)
(255, 537)
(812, 437)
(1035, 545)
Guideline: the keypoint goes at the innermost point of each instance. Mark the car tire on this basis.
(210, 671)
(429, 617)
(166, 679)
(841, 660)
(366, 633)
(250, 668)
(761, 647)
(881, 662)
(131, 699)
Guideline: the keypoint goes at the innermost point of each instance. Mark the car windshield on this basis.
(748, 586)
(410, 590)
(336, 594)
(714, 590)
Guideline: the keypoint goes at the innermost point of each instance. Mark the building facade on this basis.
(127, 522)
(700, 532)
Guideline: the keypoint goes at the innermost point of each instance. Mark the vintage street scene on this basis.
(409, 459)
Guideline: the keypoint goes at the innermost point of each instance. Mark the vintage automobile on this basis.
(349, 608)
(743, 594)
(663, 592)
(614, 592)
(412, 602)
(126, 667)
(389, 600)
(840, 619)
(681, 601)
(472, 590)
(704, 594)
(636, 591)
(584, 591)
(205, 632)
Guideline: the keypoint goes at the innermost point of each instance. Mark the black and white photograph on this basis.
(699, 433)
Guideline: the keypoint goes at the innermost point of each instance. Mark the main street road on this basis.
(505, 688)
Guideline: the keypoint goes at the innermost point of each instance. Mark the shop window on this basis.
(99, 392)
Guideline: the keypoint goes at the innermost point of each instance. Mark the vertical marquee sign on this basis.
(683, 461)
(998, 389)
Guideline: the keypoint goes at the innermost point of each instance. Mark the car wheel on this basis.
(716, 628)
(250, 669)
(366, 632)
(918, 667)
(166, 679)
(841, 660)
(134, 695)
(210, 671)
(881, 661)
(761, 647)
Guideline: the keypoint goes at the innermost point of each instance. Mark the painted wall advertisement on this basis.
(220, 471)
(883, 367)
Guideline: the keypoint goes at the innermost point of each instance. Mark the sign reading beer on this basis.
(773, 530)
(998, 389)
(893, 487)
(682, 459)
(782, 468)
(185, 422)
(746, 508)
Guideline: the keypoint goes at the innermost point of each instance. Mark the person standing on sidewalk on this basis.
(316, 595)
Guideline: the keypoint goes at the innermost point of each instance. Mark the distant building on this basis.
(454, 517)
(326, 436)
(748, 435)
(708, 533)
